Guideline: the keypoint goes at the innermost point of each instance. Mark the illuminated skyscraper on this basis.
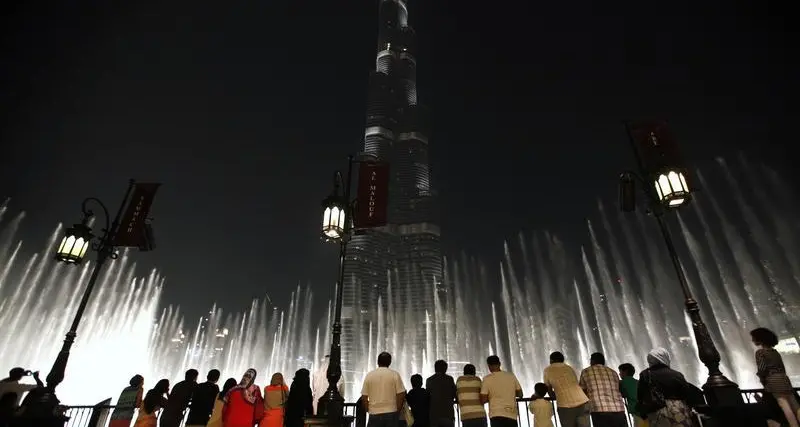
(399, 264)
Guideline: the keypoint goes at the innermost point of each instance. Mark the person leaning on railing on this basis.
(664, 394)
(500, 389)
(782, 402)
(468, 395)
(572, 403)
(129, 400)
(540, 407)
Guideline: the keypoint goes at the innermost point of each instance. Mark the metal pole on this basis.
(332, 404)
(718, 386)
(104, 251)
(706, 349)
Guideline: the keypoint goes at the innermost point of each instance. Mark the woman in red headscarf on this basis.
(244, 406)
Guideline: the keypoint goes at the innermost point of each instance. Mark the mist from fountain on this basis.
(617, 293)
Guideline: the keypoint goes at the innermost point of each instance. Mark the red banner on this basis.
(132, 231)
(373, 195)
(655, 145)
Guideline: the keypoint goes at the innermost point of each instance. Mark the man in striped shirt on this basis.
(468, 395)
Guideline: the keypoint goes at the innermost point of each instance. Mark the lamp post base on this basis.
(41, 409)
(331, 405)
(721, 392)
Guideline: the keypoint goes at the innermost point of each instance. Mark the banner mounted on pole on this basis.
(373, 195)
(132, 231)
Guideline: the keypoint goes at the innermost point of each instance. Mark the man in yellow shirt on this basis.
(572, 403)
(500, 390)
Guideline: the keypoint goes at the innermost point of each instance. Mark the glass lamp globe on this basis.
(671, 188)
(333, 219)
(74, 244)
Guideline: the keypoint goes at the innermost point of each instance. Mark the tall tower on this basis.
(393, 274)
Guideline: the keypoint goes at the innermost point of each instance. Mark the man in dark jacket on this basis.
(179, 399)
(442, 389)
(203, 400)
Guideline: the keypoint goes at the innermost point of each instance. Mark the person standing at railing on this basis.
(772, 373)
(243, 403)
(442, 389)
(361, 413)
(12, 383)
(300, 403)
(601, 385)
(663, 394)
(383, 394)
(129, 400)
(219, 403)
(468, 395)
(541, 408)
(628, 386)
(153, 401)
(275, 396)
(572, 403)
(179, 400)
(419, 400)
(203, 399)
(500, 389)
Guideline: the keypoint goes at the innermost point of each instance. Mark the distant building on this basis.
(178, 342)
(304, 363)
(219, 341)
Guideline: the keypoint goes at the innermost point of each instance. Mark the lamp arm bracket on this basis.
(337, 181)
(646, 188)
(635, 175)
(88, 213)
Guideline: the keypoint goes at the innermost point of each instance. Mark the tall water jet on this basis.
(615, 292)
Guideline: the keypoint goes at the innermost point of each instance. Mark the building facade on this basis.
(393, 274)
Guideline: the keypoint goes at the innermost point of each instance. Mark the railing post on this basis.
(100, 414)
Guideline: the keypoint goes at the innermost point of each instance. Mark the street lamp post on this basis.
(72, 250)
(337, 227)
(665, 185)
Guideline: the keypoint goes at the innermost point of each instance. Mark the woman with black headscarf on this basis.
(154, 400)
(300, 402)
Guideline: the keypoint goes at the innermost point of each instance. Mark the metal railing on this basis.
(100, 414)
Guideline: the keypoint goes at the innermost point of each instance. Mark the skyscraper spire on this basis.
(399, 266)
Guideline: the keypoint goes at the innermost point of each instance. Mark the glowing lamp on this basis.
(333, 218)
(671, 188)
(74, 244)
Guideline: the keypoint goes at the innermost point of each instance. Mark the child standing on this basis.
(541, 408)
(628, 386)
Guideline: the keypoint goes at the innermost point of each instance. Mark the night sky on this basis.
(244, 109)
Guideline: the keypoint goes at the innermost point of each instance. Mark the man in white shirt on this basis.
(501, 390)
(12, 385)
(383, 394)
